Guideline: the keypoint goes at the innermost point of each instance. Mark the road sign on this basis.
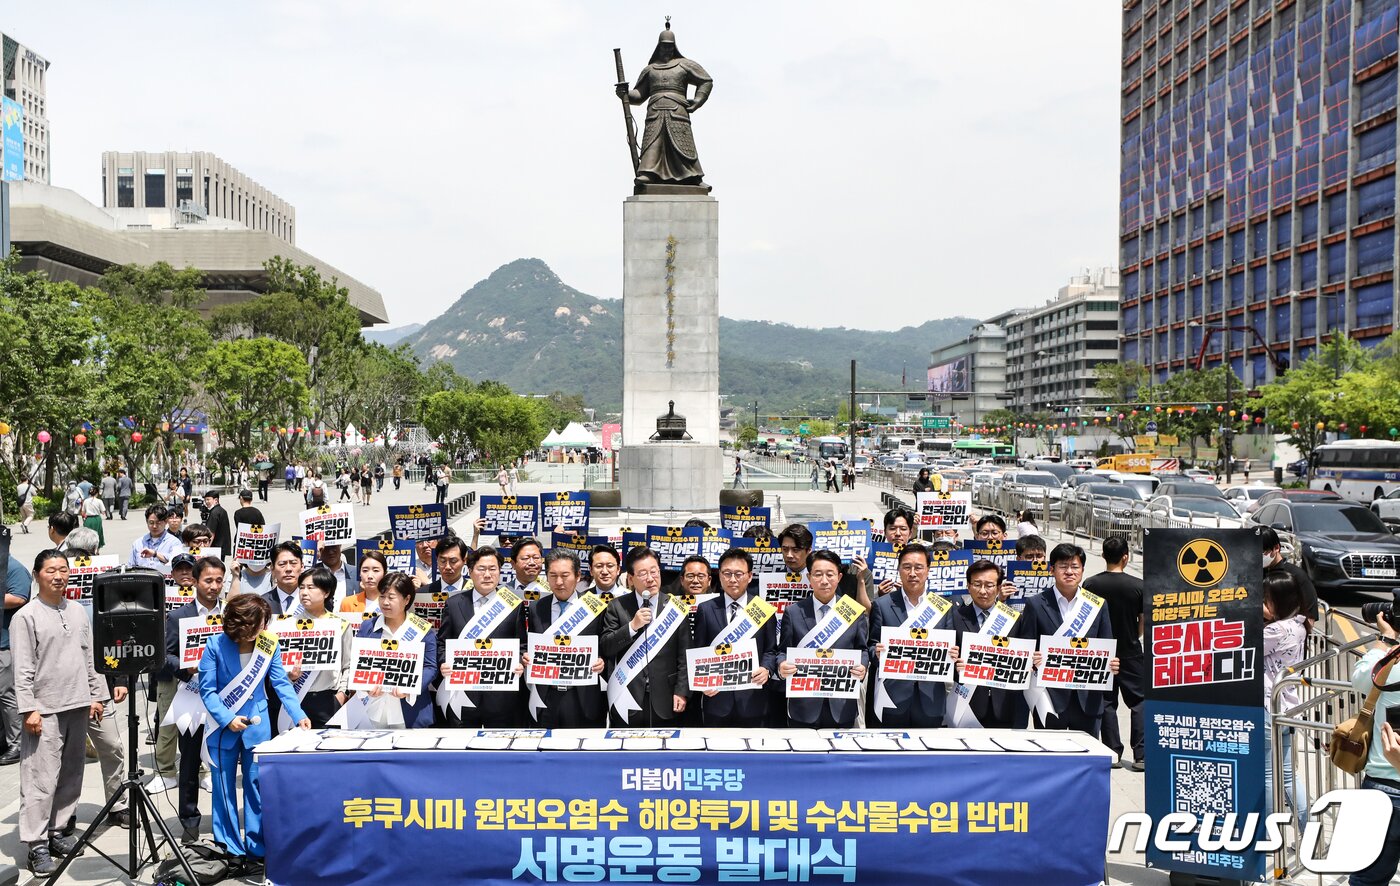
(1151, 427)
(802, 429)
(938, 422)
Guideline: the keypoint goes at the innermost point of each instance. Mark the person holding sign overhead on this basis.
(748, 707)
(396, 592)
(566, 707)
(1067, 610)
(234, 673)
(802, 621)
(916, 703)
(483, 710)
(656, 684)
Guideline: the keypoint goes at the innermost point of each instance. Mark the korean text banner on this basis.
(11, 140)
(1203, 632)
(399, 553)
(672, 545)
(564, 512)
(510, 514)
(738, 519)
(846, 539)
(767, 556)
(418, 522)
(817, 818)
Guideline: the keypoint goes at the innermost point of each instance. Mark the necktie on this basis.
(733, 609)
(823, 610)
(563, 607)
(981, 617)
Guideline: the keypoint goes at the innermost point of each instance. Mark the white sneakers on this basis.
(159, 784)
(205, 784)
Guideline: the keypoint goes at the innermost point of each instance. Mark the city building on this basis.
(967, 379)
(68, 238)
(1052, 351)
(143, 187)
(1258, 182)
(26, 75)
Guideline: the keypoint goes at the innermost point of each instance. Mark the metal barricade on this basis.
(1322, 681)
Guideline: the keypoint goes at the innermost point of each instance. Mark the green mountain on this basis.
(525, 327)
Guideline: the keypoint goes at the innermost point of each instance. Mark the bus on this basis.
(1360, 470)
(827, 448)
(936, 446)
(993, 449)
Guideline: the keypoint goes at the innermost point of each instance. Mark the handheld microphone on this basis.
(255, 720)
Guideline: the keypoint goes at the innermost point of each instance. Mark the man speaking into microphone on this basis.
(644, 644)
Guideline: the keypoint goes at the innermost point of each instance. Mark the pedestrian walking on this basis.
(444, 478)
(816, 472)
(124, 490)
(93, 509)
(24, 491)
(514, 476)
(398, 473)
(366, 484)
(738, 473)
(342, 482)
(379, 472)
(109, 493)
(502, 479)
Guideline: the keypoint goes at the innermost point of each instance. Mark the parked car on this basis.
(1342, 545)
(1183, 511)
(1189, 487)
(1300, 495)
(1245, 495)
(1035, 490)
(954, 481)
(1145, 483)
(1387, 507)
(1060, 470)
(1103, 508)
(862, 463)
(1200, 475)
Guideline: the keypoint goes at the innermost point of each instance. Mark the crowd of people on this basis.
(50, 686)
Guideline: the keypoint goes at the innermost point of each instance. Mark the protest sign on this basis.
(329, 525)
(310, 553)
(999, 662)
(672, 545)
(177, 595)
(631, 540)
(431, 607)
(484, 664)
(947, 572)
(767, 555)
(823, 673)
(1030, 578)
(1000, 553)
(418, 522)
(884, 562)
(564, 512)
(581, 546)
(399, 553)
(1076, 663)
(386, 663)
(195, 632)
(562, 660)
(712, 542)
(253, 543)
(82, 569)
(781, 588)
(845, 538)
(510, 514)
(199, 552)
(941, 510)
(727, 667)
(312, 644)
(921, 654)
(738, 519)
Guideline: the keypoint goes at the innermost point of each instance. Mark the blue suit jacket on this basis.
(798, 619)
(217, 669)
(711, 619)
(1044, 617)
(891, 611)
(418, 715)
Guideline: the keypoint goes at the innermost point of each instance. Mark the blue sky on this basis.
(877, 164)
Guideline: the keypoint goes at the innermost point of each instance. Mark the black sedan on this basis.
(1342, 545)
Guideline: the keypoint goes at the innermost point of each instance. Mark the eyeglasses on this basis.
(1068, 567)
(733, 576)
(982, 586)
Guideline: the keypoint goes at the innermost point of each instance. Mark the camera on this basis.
(1390, 610)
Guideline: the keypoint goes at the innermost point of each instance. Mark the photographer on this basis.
(1382, 757)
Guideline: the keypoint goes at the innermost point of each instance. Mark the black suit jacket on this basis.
(665, 670)
(590, 698)
(461, 609)
(994, 708)
(711, 619)
(798, 619)
(274, 597)
(891, 611)
(171, 671)
(217, 521)
(1043, 613)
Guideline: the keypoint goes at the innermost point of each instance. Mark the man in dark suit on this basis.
(208, 584)
(917, 703)
(745, 707)
(216, 518)
(824, 574)
(662, 688)
(488, 710)
(567, 707)
(1079, 709)
(994, 708)
(286, 575)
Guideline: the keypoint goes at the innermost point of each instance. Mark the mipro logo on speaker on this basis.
(124, 650)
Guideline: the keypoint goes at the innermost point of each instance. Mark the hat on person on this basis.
(245, 495)
(183, 560)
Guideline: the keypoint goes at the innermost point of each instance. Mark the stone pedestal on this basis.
(670, 351)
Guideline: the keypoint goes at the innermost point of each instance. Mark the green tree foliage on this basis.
(250, 382)
(1339, 380)
(372, 387)
(1121, 382)
(500, 427)
(748, 434)
(1192, 392)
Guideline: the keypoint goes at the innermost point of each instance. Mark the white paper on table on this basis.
(685, 742)
(602, 744)
(559, 743)
(936, 742)
(725, 743)
(1059, 744)
(810, 744)
(1017, 743)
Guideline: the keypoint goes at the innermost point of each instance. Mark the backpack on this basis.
(207, 862)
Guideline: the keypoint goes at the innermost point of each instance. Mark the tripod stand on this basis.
(143, 815)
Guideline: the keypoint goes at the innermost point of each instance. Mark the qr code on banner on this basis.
(1203, 786)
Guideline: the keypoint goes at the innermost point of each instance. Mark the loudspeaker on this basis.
(128, 621)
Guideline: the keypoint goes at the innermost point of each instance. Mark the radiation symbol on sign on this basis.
(193, 551)
(688, 599)
(741, 511)
(212, 620)
(793, 577)
(532, 594)
(938, 556)
(562, 639)
(724, 649)
(305, 624)
(562, 496)
(674, 531)
(388, 643)
(838, 525)
(762, 543)
(508, 500)
(386, 545)
(1202, 563)
(1079, 642)
(483, 642)
(439, 596)
(993, 544)
(1003, 642)
(323, 509)
(415, 510)
(918, 633)
(81, 560)
(825, 653)
(256, 529)
(606, 596)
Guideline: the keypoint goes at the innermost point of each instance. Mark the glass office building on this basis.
(1258, 182)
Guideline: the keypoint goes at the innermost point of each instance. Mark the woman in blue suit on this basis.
(396, 592)
(239, 708)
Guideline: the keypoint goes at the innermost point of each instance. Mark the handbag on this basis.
(1350, 744)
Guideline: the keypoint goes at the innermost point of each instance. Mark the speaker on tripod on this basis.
(128, 637)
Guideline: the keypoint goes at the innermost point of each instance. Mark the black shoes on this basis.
(41, 862)
(10, 757)
(240, 866)
(189, 835)
(119, 819)
(62, 846)
(71, 826)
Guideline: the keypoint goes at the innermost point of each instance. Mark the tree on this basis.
(1194, 394)
(444, 417)
(559, 409)
(501, 427)
(251, 383)
(1120, 382)
(748, 434)
(820, 427)
(371, 386)
(1314, 392)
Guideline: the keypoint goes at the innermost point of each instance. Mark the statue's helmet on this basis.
(667, 40)
(667, 35)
